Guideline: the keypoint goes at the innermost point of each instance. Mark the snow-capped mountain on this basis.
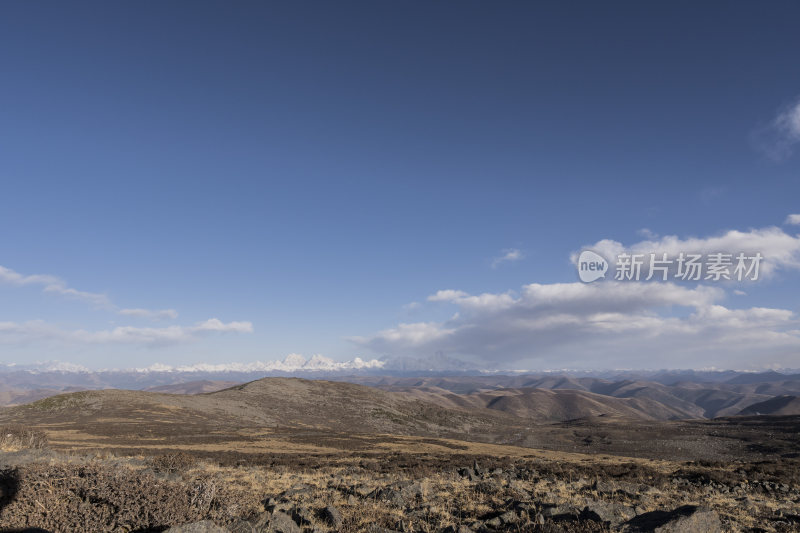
(292, 363)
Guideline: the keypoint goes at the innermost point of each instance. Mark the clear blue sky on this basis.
(312, 168)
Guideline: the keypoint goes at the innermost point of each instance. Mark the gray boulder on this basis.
(502, 520)
(686, 519)
(333, 517)
(619, 487)
(283, 523)
(602, 511)
(241, 526)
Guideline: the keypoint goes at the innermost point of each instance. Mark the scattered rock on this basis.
(503, 519)
(204, 526)
(489, 486)
(241, 526)
(410, 489)
(686, 519)
(523, 506)
(283, 523)
(362, 490)
(470, 474)
(261, 523)
(332, 516)
(552, 511)
(378, 529)
(302, 515)
(390, 496)
(602, 511)
(618, 487)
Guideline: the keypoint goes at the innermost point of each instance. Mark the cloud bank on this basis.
(37, 330)
(781, 250)
(613, 324)
(597, 325)
(54, 284)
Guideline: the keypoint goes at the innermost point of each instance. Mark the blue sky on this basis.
(301, 173)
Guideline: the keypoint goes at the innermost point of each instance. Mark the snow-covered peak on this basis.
(291, 363)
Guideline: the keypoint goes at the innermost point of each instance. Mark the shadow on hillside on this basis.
(655, 519)
(9, 487)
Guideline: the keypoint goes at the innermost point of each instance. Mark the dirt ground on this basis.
(583, 475)
(395, 490)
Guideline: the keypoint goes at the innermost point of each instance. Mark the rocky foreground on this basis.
(177, 492)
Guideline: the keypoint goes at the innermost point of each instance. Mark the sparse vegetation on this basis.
(171, 463)
(17, 437)
(396, 492)
(60, 401)
(351, 459)
(96, 496)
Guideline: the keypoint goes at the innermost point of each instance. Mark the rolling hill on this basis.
(272, 403)
(546, 405)
(779, 405)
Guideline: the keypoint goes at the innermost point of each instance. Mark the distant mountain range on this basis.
(291, 363)
(540, 397)
(559, 397)
(779, 405)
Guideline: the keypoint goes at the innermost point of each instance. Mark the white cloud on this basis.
(214, 324)
(793, 220)
(647, 233)
(604, 324)
(159, 336)
(779, 138)
(447, 295)
(486, 300)
(788, 121)
(608, 323)
(509, 256)
(151, 314)
(35, 331)
(53, 284)
(781, 251)
(405, 336)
